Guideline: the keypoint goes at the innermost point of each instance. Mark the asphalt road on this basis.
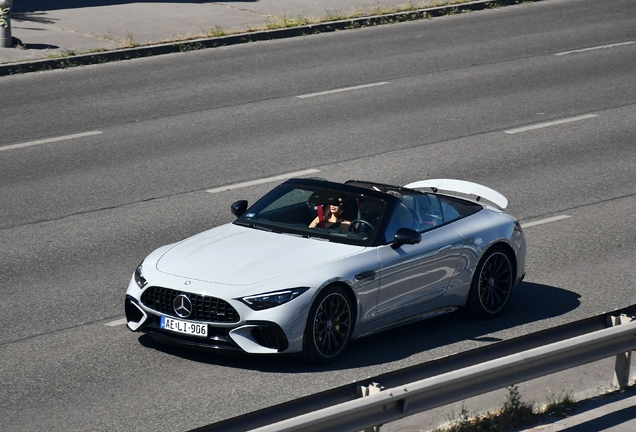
(452, 97)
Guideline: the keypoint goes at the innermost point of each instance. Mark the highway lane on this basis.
(77, 367)
(194, 113)
(78, 215)
(128, 162)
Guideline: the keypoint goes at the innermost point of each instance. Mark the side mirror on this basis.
(405, 236)
(238, 208)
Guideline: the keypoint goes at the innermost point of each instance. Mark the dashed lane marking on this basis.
(550, 123)
(263, 180)
(49, 140)
(116, 322)
(594, 48)
(345, 89)
(544, 221)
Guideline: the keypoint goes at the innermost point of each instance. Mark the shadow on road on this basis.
(529, 303)
(48, 5)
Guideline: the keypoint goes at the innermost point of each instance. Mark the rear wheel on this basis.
(491, 285)
(329, 325)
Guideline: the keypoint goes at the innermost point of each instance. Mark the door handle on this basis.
(443, 248)
(365, 275)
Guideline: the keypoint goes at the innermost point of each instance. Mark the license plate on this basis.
(184, 327)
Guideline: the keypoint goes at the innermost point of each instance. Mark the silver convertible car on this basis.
(314, 264)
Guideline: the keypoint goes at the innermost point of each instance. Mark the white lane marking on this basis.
(544, 221)
(551, 123)
(342, 90)
(50, 140)
(263, 180)
(594, 48)
(116, 323)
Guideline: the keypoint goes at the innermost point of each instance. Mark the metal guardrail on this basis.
(443, 381)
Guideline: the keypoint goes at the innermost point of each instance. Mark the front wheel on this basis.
(491, 285)
(329, 326)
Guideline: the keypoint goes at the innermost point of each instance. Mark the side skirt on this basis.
(409, 320)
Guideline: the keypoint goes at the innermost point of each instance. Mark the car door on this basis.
(413, 275)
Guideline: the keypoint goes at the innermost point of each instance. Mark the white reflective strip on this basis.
(264, 180)
(50, 140)
(595, 48)
(544, 221)
(116, 323)
(342, 90)
(551, 123)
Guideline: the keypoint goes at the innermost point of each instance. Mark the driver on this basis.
(333, 218)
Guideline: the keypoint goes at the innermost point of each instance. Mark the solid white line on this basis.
(342, 90)
(116, 323)
(263, 180)
(552, 123)
(544, 221)
(595, 48)
(50, 140)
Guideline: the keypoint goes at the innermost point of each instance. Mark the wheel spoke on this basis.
(495, 282)
(332, 325)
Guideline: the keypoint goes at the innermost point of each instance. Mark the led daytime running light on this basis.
(269, 300)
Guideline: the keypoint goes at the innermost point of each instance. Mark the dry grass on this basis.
(513, 415)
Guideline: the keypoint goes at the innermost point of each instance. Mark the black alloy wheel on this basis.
(492, 284)
(329, 325)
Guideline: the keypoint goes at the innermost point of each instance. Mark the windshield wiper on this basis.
(253, 225)
(293, 234)
(316, 238)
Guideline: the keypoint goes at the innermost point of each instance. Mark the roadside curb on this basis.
(257, 36)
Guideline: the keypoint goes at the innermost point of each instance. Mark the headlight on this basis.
(270, 300)
(139, 276)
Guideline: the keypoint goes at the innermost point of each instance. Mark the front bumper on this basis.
(254, 337)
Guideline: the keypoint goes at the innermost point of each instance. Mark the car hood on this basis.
(236, 255)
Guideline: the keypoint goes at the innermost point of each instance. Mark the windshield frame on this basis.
(318, 192)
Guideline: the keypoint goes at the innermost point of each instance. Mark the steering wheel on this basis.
(357, 224)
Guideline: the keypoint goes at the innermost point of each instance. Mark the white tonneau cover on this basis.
(463, 187)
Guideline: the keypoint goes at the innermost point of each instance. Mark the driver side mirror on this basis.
(405, 236)
(238, 208)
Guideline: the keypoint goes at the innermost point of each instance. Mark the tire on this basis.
(492, 284)
(329, 326)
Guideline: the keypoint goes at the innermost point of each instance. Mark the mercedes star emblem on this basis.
(182, 306)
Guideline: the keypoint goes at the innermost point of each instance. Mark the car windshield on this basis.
(320, 213)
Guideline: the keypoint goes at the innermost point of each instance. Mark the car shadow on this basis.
(527, 304)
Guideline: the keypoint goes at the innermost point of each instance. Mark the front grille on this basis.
(204, 308)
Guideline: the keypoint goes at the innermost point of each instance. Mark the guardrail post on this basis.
(623, 360)
(369, 390)
(5, 24)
